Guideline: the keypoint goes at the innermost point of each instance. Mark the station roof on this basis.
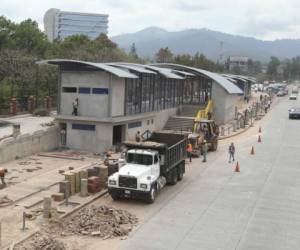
(102, 66)
(132, 67)
(230, 87)
(241, 77)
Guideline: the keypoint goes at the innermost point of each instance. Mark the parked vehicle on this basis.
(149, 166)
(294, 113)
(280, 93)
(293, 97)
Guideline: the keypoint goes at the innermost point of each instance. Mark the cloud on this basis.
(268, 19)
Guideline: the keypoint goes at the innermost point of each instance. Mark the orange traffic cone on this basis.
(259, 130)
(259, 138)
(252, 151)
(237, 167)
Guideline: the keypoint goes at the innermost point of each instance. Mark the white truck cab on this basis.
(140, 173)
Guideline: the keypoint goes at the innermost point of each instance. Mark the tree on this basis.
(133, 51)
(273, 67)
(164, 55)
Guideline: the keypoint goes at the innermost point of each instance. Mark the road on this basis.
(217, 208)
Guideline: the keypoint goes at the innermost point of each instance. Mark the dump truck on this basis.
(149, 165)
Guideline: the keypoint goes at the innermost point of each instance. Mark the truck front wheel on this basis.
(115, 196)
(151, 195)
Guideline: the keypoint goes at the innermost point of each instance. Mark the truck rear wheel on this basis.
(151, 195)
(174, 176)
(180, 172)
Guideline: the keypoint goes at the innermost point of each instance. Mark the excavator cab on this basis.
(209, 131)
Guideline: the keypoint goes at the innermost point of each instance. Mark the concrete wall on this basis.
(92, 105)
(224, 104)
(26, 145)
(159, 121)
(95, 141)
(117, 96)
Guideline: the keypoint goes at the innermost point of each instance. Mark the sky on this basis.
(262, 19)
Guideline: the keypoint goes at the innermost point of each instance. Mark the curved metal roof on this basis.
(133, 67)
(113, 70)
(165, 72)
(230, 87)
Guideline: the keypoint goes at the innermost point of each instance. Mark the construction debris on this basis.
(5, 201)
(104, 222)
(41, 241)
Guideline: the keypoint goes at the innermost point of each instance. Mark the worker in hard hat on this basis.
(3, 172)
(189, 150)
(204, 150)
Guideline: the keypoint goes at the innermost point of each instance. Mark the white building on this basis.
(61, 24)
(238, 62)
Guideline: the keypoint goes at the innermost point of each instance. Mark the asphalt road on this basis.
(217, 208)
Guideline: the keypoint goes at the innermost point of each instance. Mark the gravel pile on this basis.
(41, 241)
(105, 222)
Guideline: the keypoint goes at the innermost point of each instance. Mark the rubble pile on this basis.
(105, 222)
(41, 241)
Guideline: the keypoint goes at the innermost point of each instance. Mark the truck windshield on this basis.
(139, 159)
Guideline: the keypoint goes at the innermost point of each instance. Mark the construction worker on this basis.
(189, 150)
(138, 136)
(75, 105)
(231, 151)
(3, 172)
(204, 150)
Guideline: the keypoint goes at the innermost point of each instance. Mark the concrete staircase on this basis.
(179, 123)
(190, 110)
(185, 120)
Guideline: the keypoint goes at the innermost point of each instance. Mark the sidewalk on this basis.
(233, 128)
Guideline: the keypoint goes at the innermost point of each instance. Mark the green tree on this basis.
(273, 67)
(133, 51)
(164, 55)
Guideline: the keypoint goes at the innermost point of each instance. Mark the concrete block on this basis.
(47, 207)
(58, 197)
(84, 187)
(83, 174)
(71, 178)
(77, 182)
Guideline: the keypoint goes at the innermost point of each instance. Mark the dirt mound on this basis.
(41, 241)
(105, 222)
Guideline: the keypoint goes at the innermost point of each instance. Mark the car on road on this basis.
(293, 97)
(280, 93)
(294, 113)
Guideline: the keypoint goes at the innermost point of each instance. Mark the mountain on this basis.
(208, 42)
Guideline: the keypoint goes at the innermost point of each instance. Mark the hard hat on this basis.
(204, 141)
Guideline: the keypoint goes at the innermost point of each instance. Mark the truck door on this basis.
(156, 166)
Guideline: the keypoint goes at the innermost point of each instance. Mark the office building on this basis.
(61, 24)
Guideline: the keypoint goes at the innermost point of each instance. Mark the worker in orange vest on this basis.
(189, 150)
(3, 172)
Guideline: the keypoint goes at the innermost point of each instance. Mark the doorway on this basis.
(118, 134)
(63, 134)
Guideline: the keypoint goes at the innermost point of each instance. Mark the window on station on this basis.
(87, 127)
(69, 90)
(135, 124)
(84, 90)
(100, 91)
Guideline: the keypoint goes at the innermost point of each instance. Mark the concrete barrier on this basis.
(26, 144)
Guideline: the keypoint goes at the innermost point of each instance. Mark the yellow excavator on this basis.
(204, 129)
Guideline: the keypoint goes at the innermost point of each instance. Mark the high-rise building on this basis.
(61, 24)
